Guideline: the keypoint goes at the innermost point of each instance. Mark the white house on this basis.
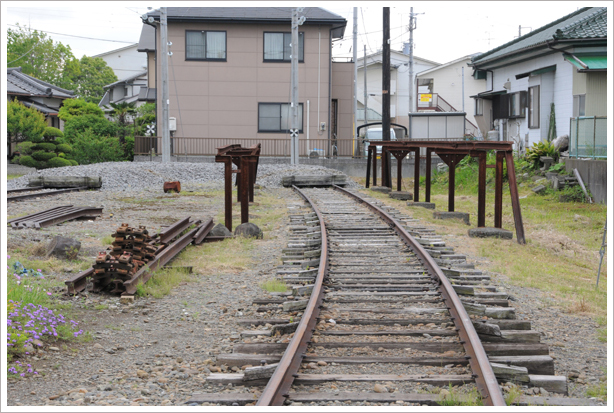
(126, 61)
(558, 69)
(399, 85)
(448, 88)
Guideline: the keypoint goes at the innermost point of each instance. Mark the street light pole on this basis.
(166, 137)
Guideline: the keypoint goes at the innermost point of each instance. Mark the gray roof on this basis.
(314, 15)
(127, 80)
(539, 37)
(147, 41)
(21, 84)
(592, 26)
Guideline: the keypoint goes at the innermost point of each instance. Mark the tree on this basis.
(89, 78)
(39, 56)
(121, 113)
(24, 124)
(78, 107)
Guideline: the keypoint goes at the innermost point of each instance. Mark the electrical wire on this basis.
(23, 54)
(71, 35)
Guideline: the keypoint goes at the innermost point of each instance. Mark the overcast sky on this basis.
(445, 31)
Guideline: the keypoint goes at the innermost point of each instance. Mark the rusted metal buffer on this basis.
(246, 161)
(452, 152)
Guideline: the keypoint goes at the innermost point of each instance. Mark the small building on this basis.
(229, 77)
(32, 92)
(126, 62)
(539, 84)
(125, 90)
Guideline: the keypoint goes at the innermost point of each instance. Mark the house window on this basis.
(534, 107)
(517, 104)
(277, 117)
(277, 47)
(205, 45)
(579, 103)
(479, 107)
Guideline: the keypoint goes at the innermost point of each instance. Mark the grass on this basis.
(453, 397)
(162, 282)
(13, 176)
(274, 285)
(561, 256)
(107, 240)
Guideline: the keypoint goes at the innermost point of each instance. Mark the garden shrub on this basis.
(100, 126)
(43, 156)
(540, 149)
(89, 148)
(58, 162)
(64, 147)
(27, 160)
(52, 133)
(44, 146)
(25, 148)
(73, 162)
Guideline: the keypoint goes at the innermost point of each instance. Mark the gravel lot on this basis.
(157, 352)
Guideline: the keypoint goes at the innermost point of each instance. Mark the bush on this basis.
(58, 162)
(64, 147)
(89, 148)
(27, 160)
(540, 149)
(44, 146)
(100, 126)
(129, 148)
(73, 162)
(24, 124)
(51, 133)
(72, 108)
(25, 148)
(43, 156)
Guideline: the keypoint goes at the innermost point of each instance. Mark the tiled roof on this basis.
(21, 84)
(592, 26)
(543, 34)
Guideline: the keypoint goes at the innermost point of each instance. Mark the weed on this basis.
(162, 282)
(101, 307)
(598, 390)
(13, 176)
(274, 285)
(513, 395)
(135, 329)
(452, 397)
(107, 240)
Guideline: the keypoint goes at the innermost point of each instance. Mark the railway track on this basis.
(378, 321)
(37, 192)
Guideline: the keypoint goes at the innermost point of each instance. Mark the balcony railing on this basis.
(588, 137)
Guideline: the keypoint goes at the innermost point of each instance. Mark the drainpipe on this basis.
(330, 83)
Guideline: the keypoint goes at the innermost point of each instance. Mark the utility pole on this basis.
(364, 72)
(386, 181)
(412, 27)
(166, 137)
(355, 92)
(294, 143)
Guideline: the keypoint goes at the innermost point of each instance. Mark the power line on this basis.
(71, 35)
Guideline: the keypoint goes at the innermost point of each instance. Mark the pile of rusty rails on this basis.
(452, 152)
(135, 255)
(303, 344)
(54, 216)
(39, 194)
(246, 161)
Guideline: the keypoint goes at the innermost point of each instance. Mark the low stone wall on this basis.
(594, 174)
(349, 166)
(14, 169)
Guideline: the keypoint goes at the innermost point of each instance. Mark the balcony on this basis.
(588, 137)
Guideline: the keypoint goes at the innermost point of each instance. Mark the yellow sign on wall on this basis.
(426, 97)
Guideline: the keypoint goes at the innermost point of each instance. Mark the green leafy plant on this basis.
(89, 148)
(23, 123)
(52, 133)
(540, 149)
(274, 285)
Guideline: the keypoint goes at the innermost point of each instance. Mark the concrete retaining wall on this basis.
(349, 166)
(594, 173)
(15, 169)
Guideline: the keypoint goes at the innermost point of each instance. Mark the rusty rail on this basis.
(485, 378)
(39, 194)
(53, 216)
(277, 388)
(34, 188)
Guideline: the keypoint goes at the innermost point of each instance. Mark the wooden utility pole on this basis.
(386, 181)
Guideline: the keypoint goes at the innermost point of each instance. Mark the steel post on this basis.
(427, 190)
(417, 176)
(499, 189)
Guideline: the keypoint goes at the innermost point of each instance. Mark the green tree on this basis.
(145, 115)
(39, 56)
(90, 77)
(121, 113)
(78, 107)
(98, 125)
(24, 124)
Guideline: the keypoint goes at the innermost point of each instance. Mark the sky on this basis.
(445, 31)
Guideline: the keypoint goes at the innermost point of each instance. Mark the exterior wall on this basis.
(342, 90)
(554, 87)
(125, 62)
(596, 98)
(594, 174)
(220, 99)
(151, 69)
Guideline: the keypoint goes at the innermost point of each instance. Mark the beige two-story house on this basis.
(229, 77)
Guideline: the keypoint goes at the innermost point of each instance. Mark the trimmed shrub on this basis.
(16, 159)
(43, 156)
(100, 126)
(73, 162)
(58, 162)
(27, 160)
(51, 133)
(44, 146)
(89, 148)
(25, 148)
(64, 147)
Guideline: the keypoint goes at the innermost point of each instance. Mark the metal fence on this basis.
(588, 137)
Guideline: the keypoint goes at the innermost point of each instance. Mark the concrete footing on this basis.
(401, 195)
(452, 215)
(382, 189)
(427, 205)
(489, 232)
